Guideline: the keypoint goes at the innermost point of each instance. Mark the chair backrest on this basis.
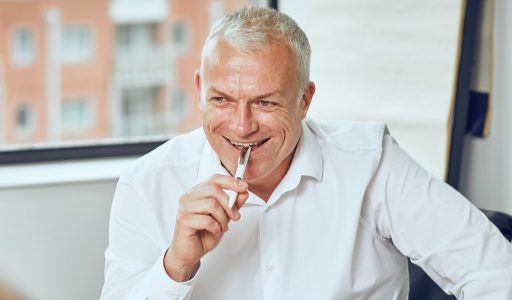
(502, 220)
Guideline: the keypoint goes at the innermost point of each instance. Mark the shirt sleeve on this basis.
(133, 260)
(439, 229)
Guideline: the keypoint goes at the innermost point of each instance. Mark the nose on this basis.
(243, 122)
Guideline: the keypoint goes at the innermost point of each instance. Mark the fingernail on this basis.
(237, 215)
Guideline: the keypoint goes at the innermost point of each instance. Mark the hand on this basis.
(203, 217)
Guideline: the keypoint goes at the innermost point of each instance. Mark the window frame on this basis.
(62, 153)
(460, 112)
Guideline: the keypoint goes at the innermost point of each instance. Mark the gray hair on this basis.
(258, 26)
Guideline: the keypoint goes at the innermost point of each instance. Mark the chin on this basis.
(254, 176)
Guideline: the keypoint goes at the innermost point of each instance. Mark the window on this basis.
(142, 112)
(22, 117)
(179, 105)
(135, 37)
(23, 46)
(181, 36)
(24, 121)
(136, 57)
(77, 115)
(77, 43)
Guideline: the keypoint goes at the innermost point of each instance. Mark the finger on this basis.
(206, 189)
(214, 191)
(240, 201)
(228, 182)
(230, 210)
(208, 206)
(202, 222)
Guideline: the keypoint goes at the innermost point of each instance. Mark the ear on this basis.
(197, 81)
(309, 91)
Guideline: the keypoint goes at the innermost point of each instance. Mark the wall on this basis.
(486, 176)
(52, 239)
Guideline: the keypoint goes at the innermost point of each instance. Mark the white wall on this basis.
(52, 239)
(486, 176)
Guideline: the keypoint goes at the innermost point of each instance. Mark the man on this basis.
(323, 212)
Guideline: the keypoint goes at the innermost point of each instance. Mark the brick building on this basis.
(93, 69)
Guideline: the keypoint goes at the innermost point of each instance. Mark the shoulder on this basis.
(180, 152)
(350, 135)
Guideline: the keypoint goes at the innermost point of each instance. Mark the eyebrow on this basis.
(213, 89)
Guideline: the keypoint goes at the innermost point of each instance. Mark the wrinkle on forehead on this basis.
(238, 72)
(242, 76)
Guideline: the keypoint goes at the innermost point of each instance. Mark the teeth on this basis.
(245, 144)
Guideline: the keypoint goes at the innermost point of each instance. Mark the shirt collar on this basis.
(307, 161)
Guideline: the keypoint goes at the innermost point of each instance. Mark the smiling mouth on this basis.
(254, 144)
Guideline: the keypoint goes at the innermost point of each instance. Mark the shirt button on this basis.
(270, 268)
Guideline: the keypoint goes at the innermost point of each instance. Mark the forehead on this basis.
(272, 64)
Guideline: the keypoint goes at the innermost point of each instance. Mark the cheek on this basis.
(286, 122)
(213, 118)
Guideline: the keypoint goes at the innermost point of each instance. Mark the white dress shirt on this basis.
(336, 227)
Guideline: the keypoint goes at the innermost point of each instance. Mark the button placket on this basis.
(268, 254)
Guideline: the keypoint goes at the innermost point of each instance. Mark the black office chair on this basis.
(424, 288)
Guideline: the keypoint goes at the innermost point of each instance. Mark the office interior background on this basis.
(97, 73)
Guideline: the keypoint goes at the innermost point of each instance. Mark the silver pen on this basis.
(240, 170)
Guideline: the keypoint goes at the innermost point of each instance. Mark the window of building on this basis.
(24, 120)
(77, 115)
(179, 104)
(77, 43)
(181, 36)
(23, 46)
(135, 37)
(142, 112)
(22, 117)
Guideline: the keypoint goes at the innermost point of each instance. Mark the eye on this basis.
(218, 100)
(267, 105)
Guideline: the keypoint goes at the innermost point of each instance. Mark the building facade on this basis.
(95, 69)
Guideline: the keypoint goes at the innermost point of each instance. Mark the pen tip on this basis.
(244, 153)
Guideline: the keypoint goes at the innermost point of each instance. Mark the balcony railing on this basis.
(144, 124)
(147, 60)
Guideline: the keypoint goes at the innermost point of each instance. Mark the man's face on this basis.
(253, 98)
